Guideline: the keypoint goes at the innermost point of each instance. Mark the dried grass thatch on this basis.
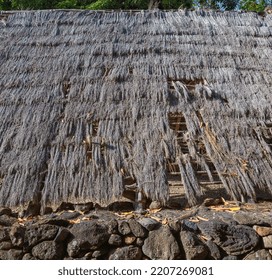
(93, 101)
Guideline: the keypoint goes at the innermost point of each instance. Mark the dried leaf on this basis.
(202, 219)
(77, 221)
(154, 211)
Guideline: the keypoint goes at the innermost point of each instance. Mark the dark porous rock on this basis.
(248, 218)
(5, 211)
(84, 207)
(126, 253)
(230, 258)
(62, 235)
(267, 241)
(17, 234)
(28, 256)
(99, 254)
(33, 209)
(65, 206)
(74, 249)
(149, 223)
(69, 215)
(56, 221)
(193, 247)
(4, 234)
(174, 225)
(113, 226)
(48, 250)
(123, 227)
(37, 233)
(188, 225)
(89, 255)
(259, 255)
(214, 250)
(6, 245)
(12, 254)
(139, 242)
(6, 220)
(137, 229)
(91, 234)
(115, 240)
(161, 245)
(263, 231)
(233, 239)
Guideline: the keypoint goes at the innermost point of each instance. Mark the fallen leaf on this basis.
(154, 211)
(75, 221)
(202, 219)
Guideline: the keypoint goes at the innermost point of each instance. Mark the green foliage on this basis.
(5, 4)
(247, 5)
(225, 5)
(104, 4)
(67, 4)
(33, 4)
(175, 4)
(253, 5)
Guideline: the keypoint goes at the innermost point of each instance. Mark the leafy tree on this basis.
(5, 5)
(67, 4)
(33, 4)
(253, 5)
(175, 4)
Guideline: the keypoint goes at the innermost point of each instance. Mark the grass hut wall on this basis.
(94, 102)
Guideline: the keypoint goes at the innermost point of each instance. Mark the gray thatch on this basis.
(93, 101)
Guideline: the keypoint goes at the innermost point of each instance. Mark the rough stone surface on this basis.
(156, 247)
(123, 227)
(137, 229)
(149, 223)
(115, 240)
(69, 215)
(139, 242)
(17, 234)
(188, 225)
(126, 253)
(6, 220)
(113, 226)
(259, 255)
(263, 231)
(166, 234)
(48, 250)
(28, 256)
(5, 211)
(91, 234)
(74, 249)
(62, 235)
(38, 233)
(214, 250)
(12, 254)
(6, 245)
(194, 248)
(230, 258)
(234, 239)
(4, 234)
(267, 241)
(175, 225)
(244, 218)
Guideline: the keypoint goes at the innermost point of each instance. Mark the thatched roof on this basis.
(93, 101)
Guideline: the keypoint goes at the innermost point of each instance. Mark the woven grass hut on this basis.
(96, 103)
